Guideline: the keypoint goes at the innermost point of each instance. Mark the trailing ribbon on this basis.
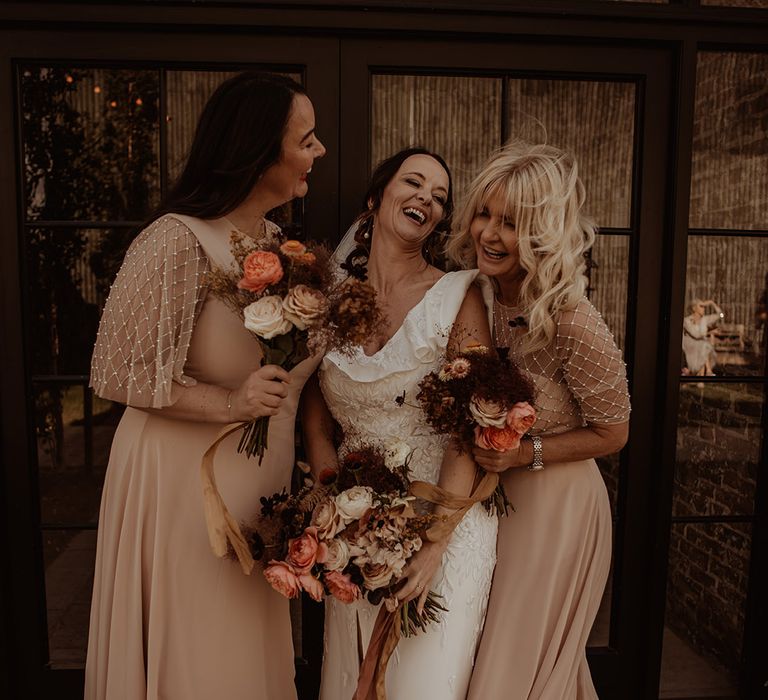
(222, 527)
(387, 628)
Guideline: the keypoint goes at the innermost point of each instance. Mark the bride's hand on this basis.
(420, 572)
(493, 461)
(260, 394)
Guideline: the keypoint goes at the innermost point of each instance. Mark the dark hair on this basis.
(357, 260)
(239, 135)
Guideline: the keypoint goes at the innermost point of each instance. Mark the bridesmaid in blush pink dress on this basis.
(523, 227)
(169, 620)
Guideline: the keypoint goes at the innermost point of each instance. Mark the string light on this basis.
(113, 103)
(69, 79)
(139, 101)
(97, 89)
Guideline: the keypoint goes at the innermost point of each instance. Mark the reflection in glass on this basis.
(608, 279)
(729, 185)
(69, 557)
(592, 120)
(706, 596)
(719, 440)
(91, 143)
(733, 272)
(457, 117)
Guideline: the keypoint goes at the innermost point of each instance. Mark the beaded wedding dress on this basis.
(360, 392)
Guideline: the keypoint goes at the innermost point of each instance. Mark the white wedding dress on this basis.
(360, 392)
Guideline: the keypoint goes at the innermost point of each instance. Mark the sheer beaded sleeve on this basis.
(147, 323)
(592, 365)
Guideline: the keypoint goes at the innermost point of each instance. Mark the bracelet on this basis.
(229, 404)
(538, 455)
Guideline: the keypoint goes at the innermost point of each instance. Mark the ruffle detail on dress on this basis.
(422, 337)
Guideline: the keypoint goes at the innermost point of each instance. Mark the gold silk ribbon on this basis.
(387, 628)
(223, 529)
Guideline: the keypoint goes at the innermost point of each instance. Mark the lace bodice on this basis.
(361, 390)
(580, 377)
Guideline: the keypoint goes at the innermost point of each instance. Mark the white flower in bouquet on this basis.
(327, 519)
(303, 306)
(396, 455)
(354, 502)
(265, 317)
(487, 413)
(338, 555)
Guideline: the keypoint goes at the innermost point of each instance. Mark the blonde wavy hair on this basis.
(544, 198)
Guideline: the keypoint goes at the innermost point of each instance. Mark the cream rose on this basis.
(396, 455)
(354, 502)
(304, 305)
(487, 413)
(327, 519)
(265, 317)
(338, 555)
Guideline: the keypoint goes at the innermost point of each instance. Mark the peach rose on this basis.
(293, 248)
(260, 269)
(304, 551)
(499, 439)
(341, 587)
(281, 577)
(304, 305)
(521, 417)
(488, 413)
(313, 587)
(376, 576)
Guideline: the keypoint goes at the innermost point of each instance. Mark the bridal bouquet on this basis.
(350, 537)
(479, 398)
(288, 297)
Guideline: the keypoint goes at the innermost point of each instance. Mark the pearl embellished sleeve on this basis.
(148, 319)
(592, 365)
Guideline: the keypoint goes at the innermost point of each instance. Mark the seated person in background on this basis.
(700, 356)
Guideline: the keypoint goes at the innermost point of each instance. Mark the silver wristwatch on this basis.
(538, 455)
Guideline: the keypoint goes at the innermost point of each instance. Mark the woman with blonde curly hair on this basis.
(522, 225)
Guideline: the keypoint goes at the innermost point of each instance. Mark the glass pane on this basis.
(459, 118)
(732, 272)
(91, 143)
(608, 280)
(592, 120)
(719, 440)
(187, 93)
(729, 186)
(74, 432)
(71, 270)
(706, 596)
(69, 557)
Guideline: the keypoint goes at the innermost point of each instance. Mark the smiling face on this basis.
(495, 238)
(287, 179)
(414, 200)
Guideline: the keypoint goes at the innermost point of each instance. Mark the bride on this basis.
(409, 205)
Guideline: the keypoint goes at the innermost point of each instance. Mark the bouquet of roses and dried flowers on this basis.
(289, 298)
(349, 536)
(479, 398)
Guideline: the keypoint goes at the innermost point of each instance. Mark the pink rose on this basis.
(499, 439)
(304, 551)
(521, 417)
(341, 587)
(313, 587)
(260, 269)
(281, 577)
